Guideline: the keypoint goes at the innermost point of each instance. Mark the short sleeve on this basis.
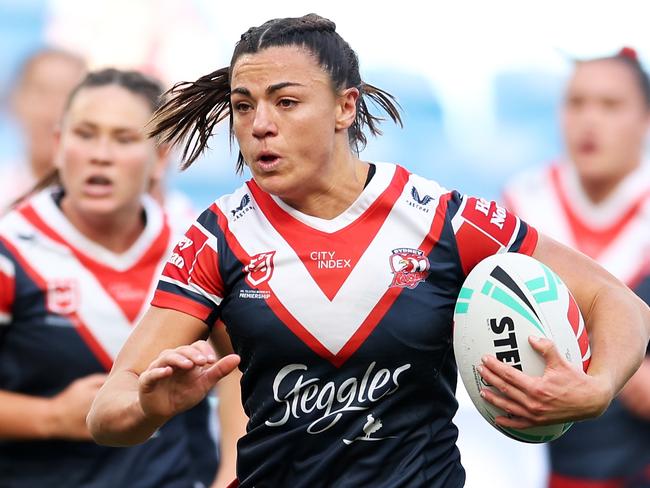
(483, 228)
(190, 281)
(7, 288)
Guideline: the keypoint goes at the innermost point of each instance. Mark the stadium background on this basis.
(479, 82)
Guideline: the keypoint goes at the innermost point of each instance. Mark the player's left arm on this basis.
(619, 326)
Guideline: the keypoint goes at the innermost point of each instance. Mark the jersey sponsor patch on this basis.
(259, 269)
(62, 295)
(409, 267)
(482, 228)
(491, 219)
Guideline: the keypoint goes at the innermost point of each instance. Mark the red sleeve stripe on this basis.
(165, 299)
(529, 242)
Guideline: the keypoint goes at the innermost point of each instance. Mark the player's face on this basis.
(605, 120)
(286, 117)
(104, 158)
(39, 102)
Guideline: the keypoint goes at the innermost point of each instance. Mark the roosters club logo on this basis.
(409, 267)
(63, 296)
(260, 268)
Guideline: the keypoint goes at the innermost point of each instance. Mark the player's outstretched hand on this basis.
(180, 378)
(564, 393)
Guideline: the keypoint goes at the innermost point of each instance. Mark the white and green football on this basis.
(505, 299)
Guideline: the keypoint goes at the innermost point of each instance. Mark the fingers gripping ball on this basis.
(504, 300)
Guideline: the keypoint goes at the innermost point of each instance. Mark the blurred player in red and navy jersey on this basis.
(597, 201)
(78, 262)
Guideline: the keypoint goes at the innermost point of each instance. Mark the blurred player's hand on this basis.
(564, 393)
(70, 407)
(180, 378)
(636, 394)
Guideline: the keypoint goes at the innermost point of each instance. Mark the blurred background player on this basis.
(77, 264)
(597, 200)
(37, 97)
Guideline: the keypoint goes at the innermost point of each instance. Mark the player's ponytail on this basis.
(192, 112)
(195, 108)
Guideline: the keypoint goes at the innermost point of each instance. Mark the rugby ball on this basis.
(505, 299)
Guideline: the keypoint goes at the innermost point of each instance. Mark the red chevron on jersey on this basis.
(128, 289)
(615, 231)
(7, 289)
(74, 284)
(333, 327)
(589, 240)
(330, 257)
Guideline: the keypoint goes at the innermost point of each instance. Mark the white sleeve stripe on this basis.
(513, 238)
(212, 239)
(7, 266)
(194, 289)
(5, 318)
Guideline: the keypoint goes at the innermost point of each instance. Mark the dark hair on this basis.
(133, 81)
(629, 58)
(137, 83)
(195, 108)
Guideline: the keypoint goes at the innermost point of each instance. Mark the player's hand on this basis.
(70, 407)
(636, 393)
(564, 393)
(180, 378)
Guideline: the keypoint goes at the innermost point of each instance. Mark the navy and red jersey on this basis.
(612, 451)
(66, 307)
(344, 326)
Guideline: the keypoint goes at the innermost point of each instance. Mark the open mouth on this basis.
(268, 161)
(98, 185)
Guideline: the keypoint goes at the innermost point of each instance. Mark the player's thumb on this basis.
(546, 348)
(222, 368)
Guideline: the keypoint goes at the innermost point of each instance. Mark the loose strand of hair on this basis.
(191, 113)
(50, 179)
(365, 118)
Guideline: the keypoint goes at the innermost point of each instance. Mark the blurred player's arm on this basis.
(163, 369)
(636, 394)
(63, 416)
(619, 326)
(232, 419)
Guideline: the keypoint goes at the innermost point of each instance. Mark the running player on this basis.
(598, 201)
(336, 280)
(77, 264)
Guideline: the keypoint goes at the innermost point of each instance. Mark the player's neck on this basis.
(115, 232)
(334, 193)
(598, 190)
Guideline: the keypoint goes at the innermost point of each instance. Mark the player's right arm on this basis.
(163, 369)
(29, 417)
(166, 366)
